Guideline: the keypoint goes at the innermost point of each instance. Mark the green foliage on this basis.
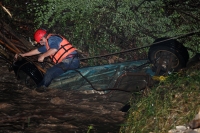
(89, 128)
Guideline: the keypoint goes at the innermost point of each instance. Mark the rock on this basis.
(193, 126)
(195, 123)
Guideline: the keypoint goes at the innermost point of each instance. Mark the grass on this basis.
(172, 102)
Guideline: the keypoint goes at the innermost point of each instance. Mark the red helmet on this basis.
(39, 34)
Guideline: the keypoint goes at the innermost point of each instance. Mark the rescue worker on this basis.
(62, 53)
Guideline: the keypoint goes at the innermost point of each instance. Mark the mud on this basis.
(24, 110)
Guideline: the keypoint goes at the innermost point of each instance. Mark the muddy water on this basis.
(23, 110)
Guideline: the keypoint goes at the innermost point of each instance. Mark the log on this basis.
(26, 43)
(8, 47)
(16, 50)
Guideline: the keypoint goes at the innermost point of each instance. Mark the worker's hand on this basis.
(41, 58)
(18, 55)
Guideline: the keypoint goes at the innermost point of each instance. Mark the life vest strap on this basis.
(66, 50)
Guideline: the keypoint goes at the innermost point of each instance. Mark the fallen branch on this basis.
(16, 50)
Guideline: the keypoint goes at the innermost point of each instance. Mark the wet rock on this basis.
(182, 129)
(195, 123)
(57, 101)
(192, 127)
(5, 106)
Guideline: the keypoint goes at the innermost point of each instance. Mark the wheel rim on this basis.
(169, 60)
(27, 80)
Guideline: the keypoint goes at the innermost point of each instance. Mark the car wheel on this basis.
(27, 80)
(167, 55)
(27, 72)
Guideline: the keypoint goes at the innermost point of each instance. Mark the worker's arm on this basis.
(30, 53)
(46, 54)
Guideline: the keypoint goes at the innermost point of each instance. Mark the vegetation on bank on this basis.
(170, 103)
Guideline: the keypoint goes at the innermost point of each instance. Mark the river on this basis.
(24, 110)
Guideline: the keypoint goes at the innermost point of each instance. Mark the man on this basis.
(62, 53)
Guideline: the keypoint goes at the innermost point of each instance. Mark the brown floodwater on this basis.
(24, 110)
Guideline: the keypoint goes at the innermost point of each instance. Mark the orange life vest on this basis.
(65, 48)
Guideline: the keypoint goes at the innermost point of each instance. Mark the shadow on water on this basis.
(59, 111)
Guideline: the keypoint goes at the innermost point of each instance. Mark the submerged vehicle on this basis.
(164, 56)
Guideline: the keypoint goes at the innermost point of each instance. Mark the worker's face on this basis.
(43, 41)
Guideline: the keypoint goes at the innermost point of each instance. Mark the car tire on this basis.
(167, 55)
(27, 72)
(27, 80)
